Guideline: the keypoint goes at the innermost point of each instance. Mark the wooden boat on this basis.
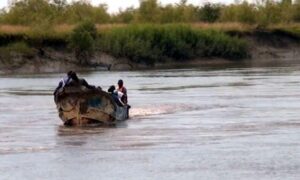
(79, 106)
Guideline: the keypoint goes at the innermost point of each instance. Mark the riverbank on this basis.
(23, 51)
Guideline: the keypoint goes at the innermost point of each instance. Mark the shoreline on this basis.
(264, 48)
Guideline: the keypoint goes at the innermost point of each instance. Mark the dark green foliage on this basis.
(34, 12)
(126, 16)
(80, 11)
(216, 44)
(19, 49)
(51, 12)
(87, 26)
(151, 43)
(29, 12)
(148, 11)
(210, 12)
(82, 41)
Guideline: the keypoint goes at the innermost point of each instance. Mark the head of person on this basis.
(74, 76)
(69, 73)
(111, 89)
(120, 83)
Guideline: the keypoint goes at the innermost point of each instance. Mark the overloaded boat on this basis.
(79, 106)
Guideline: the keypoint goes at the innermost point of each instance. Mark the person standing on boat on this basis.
(123, 90)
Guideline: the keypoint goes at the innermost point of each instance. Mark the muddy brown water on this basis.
(225, 123)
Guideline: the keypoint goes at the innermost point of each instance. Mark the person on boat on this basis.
(116, 95)
(79, 82)
(122, 89)
(71, 79)
(63, 82)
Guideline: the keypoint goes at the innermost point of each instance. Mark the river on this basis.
(199, 123)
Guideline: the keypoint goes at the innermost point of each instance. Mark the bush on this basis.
(210, 12)
(20, 48)
(29, 12)
(88, 27)
(148, 11)
(82, 41)
(125, 16)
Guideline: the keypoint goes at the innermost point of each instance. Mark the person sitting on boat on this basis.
(63, 82)
(79, 82)
(116, 95)
(71, 79)
(123, 90)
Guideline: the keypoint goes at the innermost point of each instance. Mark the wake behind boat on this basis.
(79, 106)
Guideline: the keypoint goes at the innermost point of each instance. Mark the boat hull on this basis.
(83, 107)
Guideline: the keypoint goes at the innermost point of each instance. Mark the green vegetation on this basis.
(210, 13)
(148, 34)
(148, 43)
(16, 50)
(31, 12)
(151, 43)
(18, 47)
(82, 40)
(263, 12)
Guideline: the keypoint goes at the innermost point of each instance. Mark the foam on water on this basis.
(157, 109)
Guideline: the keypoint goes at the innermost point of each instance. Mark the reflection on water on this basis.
(225, 123)
(192, 87)
(74, 131)
(26, 92)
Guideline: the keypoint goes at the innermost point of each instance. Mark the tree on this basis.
(125, 16)
(286, 2)
(60, 3)
(29, 12)
(210, 12)
(148, 11)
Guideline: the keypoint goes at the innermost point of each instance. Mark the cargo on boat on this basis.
(79, 106)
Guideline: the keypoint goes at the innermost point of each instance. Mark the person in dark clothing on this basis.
(115, 95)
(123, 90)
(62, 83)
(71, 79)
(79, 82)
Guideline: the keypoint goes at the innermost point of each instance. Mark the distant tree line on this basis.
(263, 12)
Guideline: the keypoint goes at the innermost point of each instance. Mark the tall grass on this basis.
(145, 43)
(151, 43)
(82, 40)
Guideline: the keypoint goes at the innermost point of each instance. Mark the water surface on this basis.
(228, 123)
